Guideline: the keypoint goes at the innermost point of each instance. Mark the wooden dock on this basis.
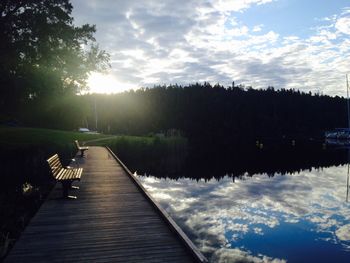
(112, 220)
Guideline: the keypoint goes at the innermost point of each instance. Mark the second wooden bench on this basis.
(82, 149)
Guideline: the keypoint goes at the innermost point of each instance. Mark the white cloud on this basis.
(237, 5)
(343, 233)
(258, 28)
(343, 25)
(237, 255)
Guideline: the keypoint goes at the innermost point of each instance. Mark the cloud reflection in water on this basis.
(295, 217)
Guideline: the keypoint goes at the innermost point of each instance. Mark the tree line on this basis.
(198, 111)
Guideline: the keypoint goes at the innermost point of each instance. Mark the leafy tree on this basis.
(42, 53)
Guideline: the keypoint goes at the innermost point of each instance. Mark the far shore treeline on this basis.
(200, 112)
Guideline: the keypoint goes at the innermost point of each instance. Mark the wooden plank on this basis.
(111, 221)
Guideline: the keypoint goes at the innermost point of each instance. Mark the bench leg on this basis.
(82, 153)
(70, 186)
(66, 185)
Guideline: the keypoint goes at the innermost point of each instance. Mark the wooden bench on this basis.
(82, 149)
(65, 175)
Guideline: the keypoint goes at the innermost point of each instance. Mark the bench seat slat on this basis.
(70, 174)
(83, 148)
(57, 163)
(60, 175)
(79, 172)
(55, 156)
(64, 175)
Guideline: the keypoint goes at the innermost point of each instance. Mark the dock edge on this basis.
(198, 256)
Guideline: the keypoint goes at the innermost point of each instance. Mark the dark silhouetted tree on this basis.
(42, 53)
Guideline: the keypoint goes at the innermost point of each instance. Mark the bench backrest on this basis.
(77, 144)
(55, 164)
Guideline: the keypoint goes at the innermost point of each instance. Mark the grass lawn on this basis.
(21, 137)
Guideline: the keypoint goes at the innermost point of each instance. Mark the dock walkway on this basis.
(110, 221)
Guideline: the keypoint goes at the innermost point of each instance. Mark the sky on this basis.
(297, 44)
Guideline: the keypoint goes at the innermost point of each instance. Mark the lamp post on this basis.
(95, 115)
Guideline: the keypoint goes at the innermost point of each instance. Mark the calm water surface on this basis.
(292, 217)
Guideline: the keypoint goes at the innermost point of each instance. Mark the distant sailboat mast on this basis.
(347, 99)
(347, 186)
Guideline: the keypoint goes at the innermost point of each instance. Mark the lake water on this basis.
(301, 216)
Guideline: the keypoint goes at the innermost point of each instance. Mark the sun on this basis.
(106, 83)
